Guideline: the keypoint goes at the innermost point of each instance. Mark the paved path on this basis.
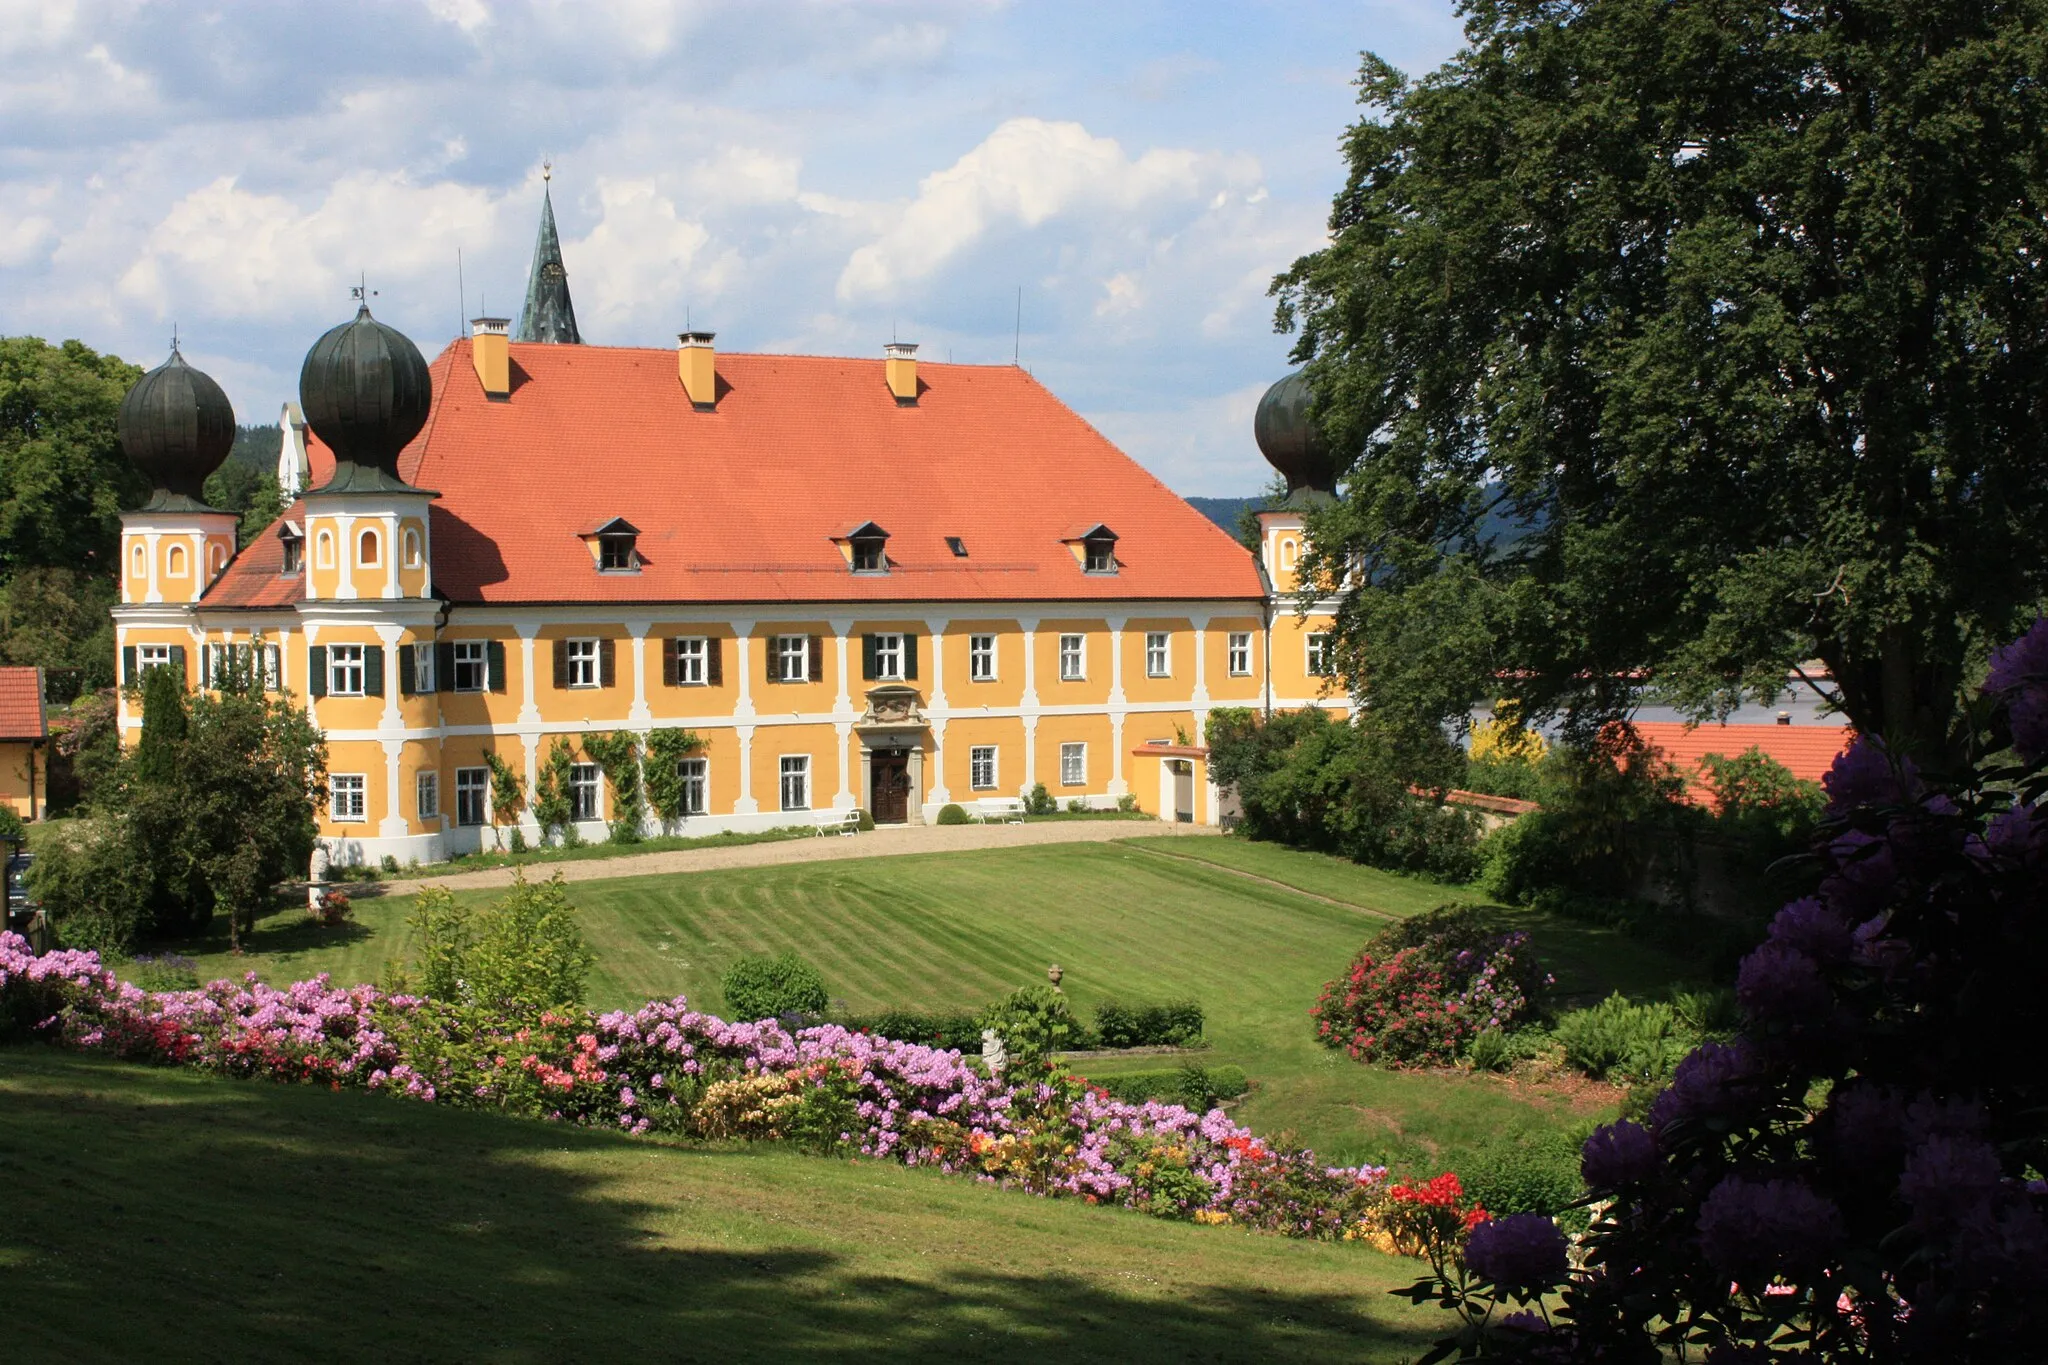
(880, 843)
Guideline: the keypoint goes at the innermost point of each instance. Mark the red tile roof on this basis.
(741, 504)
(1807, 750)
(21, 703)
(256, 577)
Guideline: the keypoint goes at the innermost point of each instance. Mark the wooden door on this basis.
(890, 799)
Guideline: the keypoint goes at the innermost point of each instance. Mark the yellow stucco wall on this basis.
(15, 789)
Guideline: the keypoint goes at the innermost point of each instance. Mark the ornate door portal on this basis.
(889, 801)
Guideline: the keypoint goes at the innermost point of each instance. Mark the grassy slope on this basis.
(955, 930)
(169, 1216)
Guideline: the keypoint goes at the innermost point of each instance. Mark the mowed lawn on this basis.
(168, 1216)
(1135, 922)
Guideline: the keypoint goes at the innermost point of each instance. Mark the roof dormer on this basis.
(292, 538)
(614, 546)
(1094, 548)
(866, 548)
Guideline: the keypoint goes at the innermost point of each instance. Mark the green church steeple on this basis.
(548, 314)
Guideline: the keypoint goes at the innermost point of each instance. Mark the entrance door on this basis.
(890, 800)
(1184, 791)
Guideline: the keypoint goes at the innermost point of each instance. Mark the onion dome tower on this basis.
(1292, 444)
(177, 427)
(366, 393)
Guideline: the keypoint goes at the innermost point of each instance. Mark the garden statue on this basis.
(993, 1055)
(1053, 974)
(316, 879)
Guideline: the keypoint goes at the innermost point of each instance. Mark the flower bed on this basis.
(666, 1068)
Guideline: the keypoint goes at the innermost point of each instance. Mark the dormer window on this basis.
(615, 545)
(867, 548)
(1094, 546)
(293, 541)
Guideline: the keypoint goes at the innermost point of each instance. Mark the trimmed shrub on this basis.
(1175, 1024)
(959, 1029)
(867, 820)
(758, 986)
(1040, 801)
(951, 814)
(1034, 1022)
(1199, 1088)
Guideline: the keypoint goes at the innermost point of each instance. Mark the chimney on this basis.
(900, 368)
(490, 351)
(697, 366)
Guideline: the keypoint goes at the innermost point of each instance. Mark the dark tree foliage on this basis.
(63, 480)
(1735, 312)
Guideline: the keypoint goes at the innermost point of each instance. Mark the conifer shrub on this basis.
(758, 986)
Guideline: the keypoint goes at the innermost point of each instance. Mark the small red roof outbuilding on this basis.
(21, 704)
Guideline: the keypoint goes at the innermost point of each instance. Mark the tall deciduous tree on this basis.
(1737, 310)
(63, 480)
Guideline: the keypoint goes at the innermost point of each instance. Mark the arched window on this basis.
(216, 560)
(412, 548)
(174, 562)
(366, 549)
(138, 563)
(323, 550)
(1289, 553)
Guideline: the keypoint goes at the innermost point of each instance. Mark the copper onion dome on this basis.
(176, 426)
(1290, 442)
(365, 392)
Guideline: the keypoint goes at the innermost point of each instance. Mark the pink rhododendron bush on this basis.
(666, 1068)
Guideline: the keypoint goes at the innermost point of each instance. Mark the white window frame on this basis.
(981, 658)
(1238, 655)
(1074, 764)
(1317, 655)
(426, 794)
(348, 796)
(889, 656)
(1073, 658)
(1158, 654)
(474, 783)
(586, 792)
(981, 767)
(692, 652)
(694, 775)
(323, 550)
(793, 654)
(423, 679)
(585, 664)
(344, 670)
(472, 654)
(795, 787)
(152, 656)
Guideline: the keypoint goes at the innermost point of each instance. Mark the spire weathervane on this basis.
(360, 291)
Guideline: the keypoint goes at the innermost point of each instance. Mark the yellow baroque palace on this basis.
(876, 584)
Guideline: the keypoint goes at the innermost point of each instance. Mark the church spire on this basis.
(548, 314)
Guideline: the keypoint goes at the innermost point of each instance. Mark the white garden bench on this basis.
(1003, 810)
(842, 822)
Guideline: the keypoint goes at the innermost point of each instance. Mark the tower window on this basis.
(412, 548)
(367, 549)
(174, 562)
(323, 551)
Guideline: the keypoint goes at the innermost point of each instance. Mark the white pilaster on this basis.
(155, 592)
(746, 805)
(345, 556)
(392, 826)
(638, 715)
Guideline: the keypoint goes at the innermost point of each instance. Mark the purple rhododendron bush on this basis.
(668, 1069)
(1858, 1175)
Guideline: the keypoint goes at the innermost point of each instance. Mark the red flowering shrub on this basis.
(1420, 992)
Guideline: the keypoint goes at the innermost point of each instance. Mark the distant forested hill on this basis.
(1224, 511)
(257, 446)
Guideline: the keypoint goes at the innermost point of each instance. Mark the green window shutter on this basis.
(444, 667)
(668, 662)
(773, 671)
(494, 664)
(316, 670)
(867, 658)
(607, 663)
(816, 657)
(373, 670)
(127, 665)
(909, 657)
(273, 668)
(178, 660)
(561, 663)
(405, 670)
(714, 661)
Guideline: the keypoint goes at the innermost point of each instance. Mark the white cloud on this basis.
(1026, 172)
(638, 261)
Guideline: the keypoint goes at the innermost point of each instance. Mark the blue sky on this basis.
(810, 176)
